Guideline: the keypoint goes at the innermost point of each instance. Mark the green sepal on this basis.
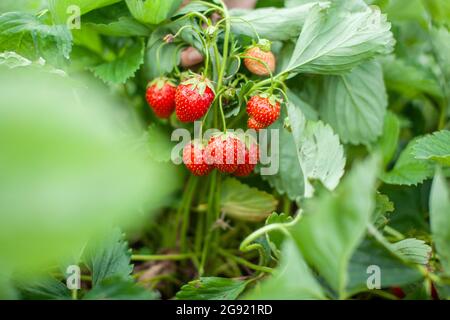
(161, 81)
(199, 82)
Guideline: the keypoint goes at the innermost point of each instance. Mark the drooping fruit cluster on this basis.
(160, 96)
(225, 151)
(259, 59)
(263, 110)
(193, 99)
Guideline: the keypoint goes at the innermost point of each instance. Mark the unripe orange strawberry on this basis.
(263, 109)
(261, 52)
(160, 96)
(194, 158)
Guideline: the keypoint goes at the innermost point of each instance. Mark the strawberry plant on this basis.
(290, 149)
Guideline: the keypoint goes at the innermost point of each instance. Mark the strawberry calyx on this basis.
(263, 44)
(199, 83)
(273, 99)
(225, 135)
(161, 81)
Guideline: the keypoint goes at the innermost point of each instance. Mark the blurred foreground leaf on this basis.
(440, 219)
(69, 168)
(292, 280)
(333, 225)
(371, 253)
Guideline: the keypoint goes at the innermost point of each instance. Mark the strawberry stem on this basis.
(224, 123)
(189, 192)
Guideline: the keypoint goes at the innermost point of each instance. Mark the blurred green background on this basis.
(72, 164)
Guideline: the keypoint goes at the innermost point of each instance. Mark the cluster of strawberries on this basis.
(191, 100)
(227, 152)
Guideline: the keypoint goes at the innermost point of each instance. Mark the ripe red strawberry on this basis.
(263, 109)
(398, 292)
(160, 96)
(225, 151)
(253, 124)
(251, 159)
(193, 99)
(194, 158)
(262, 52)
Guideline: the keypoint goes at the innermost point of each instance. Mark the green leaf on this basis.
(242, 202)
(212, 288)
(192, 6)
(270, 23)
(440, 219)
(407, 79)
(47, 288)
(116, 21)
(333, 225)
(411, 208)
(355, 104)
(388, 141)
(435, 147)
(292, 279)
(13, 60)
(82, 59)
(383, 207)
(294, 3)
(439, 10)
(169, 57)
(413, 250)
(276, 237)
(152, 11)
(308, 110)
(117, 288)
(123, 67)
(61, 12)
(409, 170)
(31, 6)
(350, 4)
(334, 40)
(440, 39)
(394, 272)
(289, 178)
(443, 291)
(123, 27)
(409, 10)
(320, 153)
(26, 35)
(108, 257)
